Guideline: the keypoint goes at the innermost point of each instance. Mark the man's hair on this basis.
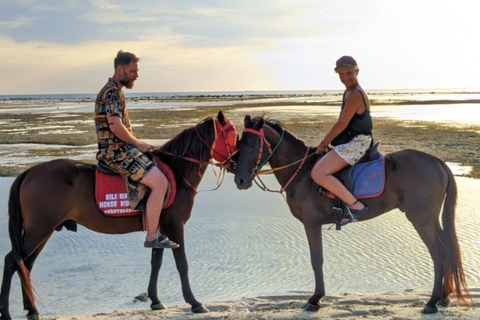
(124, 59)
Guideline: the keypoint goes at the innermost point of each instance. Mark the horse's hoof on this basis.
(200, 309)
(158, 306)
(444, 302)
(33, 316)
(310, 307)
(429, 309)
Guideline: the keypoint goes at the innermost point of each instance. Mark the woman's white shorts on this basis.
(353, 150)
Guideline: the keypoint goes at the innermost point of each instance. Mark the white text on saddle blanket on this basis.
(115, 203)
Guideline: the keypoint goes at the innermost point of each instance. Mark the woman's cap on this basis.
(346, 61)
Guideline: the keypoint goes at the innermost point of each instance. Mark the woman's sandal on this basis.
(353, 214)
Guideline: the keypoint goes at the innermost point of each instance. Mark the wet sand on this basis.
(396, 306)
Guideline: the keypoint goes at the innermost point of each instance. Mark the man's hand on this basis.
(144, 147)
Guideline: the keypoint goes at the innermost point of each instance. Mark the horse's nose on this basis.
(242, 183)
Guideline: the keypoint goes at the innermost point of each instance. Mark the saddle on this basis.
(118, 196)
(366, 179)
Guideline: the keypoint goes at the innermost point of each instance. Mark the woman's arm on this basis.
(353, 104)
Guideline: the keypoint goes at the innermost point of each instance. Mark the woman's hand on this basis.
(322, 147)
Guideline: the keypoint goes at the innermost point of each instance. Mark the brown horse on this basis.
(34, 214)
(416, 183)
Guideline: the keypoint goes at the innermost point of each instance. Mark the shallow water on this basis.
(458, 114)
(239, 244)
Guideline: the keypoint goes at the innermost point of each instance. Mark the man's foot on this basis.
(161, 242)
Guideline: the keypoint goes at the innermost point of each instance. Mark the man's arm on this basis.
(121, 132)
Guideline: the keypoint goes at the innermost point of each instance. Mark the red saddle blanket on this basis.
(111, 193)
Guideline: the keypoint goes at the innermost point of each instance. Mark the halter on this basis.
(259, 164)
(263, 141)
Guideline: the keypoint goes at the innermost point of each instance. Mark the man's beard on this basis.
(127, 83)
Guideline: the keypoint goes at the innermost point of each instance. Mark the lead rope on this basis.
(262, 185)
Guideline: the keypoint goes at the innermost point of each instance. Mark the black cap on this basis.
(346, 61)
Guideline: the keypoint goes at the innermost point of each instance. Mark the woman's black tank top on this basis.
(359, 124)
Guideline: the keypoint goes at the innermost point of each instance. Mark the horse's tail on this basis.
(16, 231)
(454, 276)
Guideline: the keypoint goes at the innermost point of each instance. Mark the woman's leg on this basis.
(322, 174)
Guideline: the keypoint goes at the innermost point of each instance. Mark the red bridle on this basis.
(225, 144)
(263, 142)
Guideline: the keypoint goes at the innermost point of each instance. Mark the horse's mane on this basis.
(279, 127)
(190, 143)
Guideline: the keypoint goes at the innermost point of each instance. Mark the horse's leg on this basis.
(9, 269)
(33, 313)
(8, 272)
(314, 236)
(182, 267)
(33, 243)
(156, 263)
(431, 235)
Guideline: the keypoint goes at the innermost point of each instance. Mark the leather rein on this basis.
(224, 164)
(259, 164)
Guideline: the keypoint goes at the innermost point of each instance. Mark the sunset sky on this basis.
(68, 46)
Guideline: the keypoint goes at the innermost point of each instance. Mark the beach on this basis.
(45, 130)
(398, 306)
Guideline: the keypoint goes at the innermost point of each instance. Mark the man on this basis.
(120, 150)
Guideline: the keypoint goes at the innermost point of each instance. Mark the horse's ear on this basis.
(260, 123)
(247, 122)
(221, 117)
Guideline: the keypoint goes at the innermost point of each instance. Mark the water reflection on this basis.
(239, 243)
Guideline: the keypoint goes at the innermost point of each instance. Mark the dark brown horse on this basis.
(416, 183)
(61, 193)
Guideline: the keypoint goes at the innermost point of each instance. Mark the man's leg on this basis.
(158, 184)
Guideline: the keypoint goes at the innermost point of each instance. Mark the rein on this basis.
(259, 164)
(225, 161)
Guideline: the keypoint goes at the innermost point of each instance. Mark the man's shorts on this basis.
(131, 163)
(353, 150)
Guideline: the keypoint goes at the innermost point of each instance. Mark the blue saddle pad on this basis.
(368, 178)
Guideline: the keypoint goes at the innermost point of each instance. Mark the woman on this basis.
(350, 138)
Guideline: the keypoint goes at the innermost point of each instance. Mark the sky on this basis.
(68, 46)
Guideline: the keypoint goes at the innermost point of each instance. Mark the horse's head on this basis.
(211, 138)
(224, 146)
(252, 152)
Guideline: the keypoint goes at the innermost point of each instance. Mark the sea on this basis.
(246, 243)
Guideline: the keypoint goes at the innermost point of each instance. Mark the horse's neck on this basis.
(287, 156)
(195, 175)
(194, 158)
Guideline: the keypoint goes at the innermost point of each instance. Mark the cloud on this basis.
(16, 23)
(191, 45)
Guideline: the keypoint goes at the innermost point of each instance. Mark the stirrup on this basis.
(352, 214)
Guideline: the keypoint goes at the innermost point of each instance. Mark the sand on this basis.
(396, 306)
